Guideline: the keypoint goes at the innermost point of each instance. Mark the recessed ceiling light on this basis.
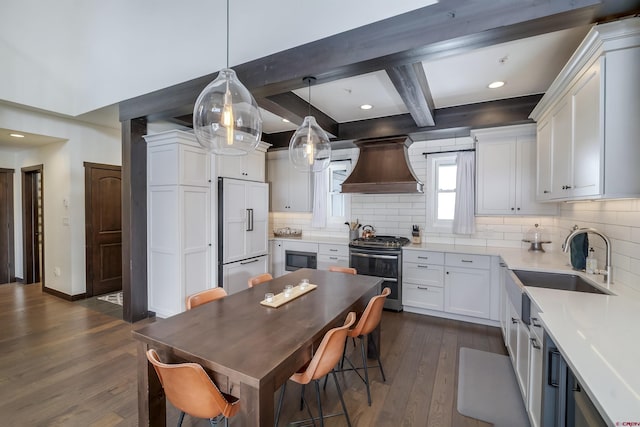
(286, 120)
(16, 135)
(495, 85)
(366, 107)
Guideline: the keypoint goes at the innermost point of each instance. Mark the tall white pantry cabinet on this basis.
(181, 223)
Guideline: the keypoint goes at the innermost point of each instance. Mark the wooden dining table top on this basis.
(250, 343)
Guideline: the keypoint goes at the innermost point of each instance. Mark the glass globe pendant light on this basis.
(226, 118)
(309, 148)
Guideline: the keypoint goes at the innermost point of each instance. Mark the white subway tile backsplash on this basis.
(500, 243)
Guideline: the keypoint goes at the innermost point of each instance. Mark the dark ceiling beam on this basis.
(448, 27)
(411, 83)
(458, 120)
(299, 107)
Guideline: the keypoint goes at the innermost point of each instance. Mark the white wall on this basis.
(617, 219)
(63, 179)
(394, 214)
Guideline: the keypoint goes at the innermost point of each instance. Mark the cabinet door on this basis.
(196, 239)
(543, 184)
(526, 203)
(277, 258)
(300, 192)
(278, 175)
(467, 291)
(232, 166)
(496, 177)
(535, 380)
(561, 150)
(235, 276)
(522, 359)
(235, 220)
(586, 134)
(326, 261)
(254, 166)
(512, 332)
(257, 200)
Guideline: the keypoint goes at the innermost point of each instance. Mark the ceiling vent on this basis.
(383, 167)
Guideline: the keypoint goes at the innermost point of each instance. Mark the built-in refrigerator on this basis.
(243, 218)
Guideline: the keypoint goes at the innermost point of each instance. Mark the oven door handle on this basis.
(389, 279)
(374, 256)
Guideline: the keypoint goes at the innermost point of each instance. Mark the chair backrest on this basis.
(205, 297)
(329, 351)
(371, 316)
(189, 388)
(261, 278)
(348, 270)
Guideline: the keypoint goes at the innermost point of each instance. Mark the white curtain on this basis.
(320, 190)
(463, 217)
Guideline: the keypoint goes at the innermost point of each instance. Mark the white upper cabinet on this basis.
(250, 167)
(588, 119)
(290, 188)
(506, 165)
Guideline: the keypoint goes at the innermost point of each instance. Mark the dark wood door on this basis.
(103, 215)
(32, 223)
(7, 268)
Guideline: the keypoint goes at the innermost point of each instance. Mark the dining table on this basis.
(247, 348)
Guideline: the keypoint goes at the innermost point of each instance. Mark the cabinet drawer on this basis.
(536, 325)
(326, 261)
(423, 274)
(423, 257)
(331, 249)
(468, 261)
(429, 297)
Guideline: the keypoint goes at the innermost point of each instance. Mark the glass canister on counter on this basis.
(537, 237)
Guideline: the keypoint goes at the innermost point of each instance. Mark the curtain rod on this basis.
(450, 151)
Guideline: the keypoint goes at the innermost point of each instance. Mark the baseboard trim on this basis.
(64, 296)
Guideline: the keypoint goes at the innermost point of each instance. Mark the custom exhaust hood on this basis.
(383, 167)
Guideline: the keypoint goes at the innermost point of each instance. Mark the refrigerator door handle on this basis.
(250, 219)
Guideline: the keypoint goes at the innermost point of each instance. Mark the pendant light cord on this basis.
(227, 33)
(309, 99)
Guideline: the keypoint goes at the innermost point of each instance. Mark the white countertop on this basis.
(598, 335)
(314, 239)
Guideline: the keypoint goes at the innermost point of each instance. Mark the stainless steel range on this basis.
(381, 256)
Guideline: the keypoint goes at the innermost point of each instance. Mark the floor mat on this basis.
(115, 298)
(488, 391)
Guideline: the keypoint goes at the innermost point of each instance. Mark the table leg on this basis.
(256, 406)
(152, 410)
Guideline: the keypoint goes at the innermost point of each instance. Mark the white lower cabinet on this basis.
(536, 376)
(513, 320)
(330, 254)
(235, 276)
(522, 358)
(467, 285)
(448, 285)
(276, 252)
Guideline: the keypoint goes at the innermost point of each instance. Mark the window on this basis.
(441, 191)
(337, 202)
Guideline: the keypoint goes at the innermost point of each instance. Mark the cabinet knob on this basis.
(513, 209)
(568, 187)
(546, 191)
(518, 208)
(447, 272)
(514, 320)
(534, 343)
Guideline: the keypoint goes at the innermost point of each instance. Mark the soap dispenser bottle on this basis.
(592, 262)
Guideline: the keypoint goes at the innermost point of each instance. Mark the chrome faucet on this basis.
(574, 233)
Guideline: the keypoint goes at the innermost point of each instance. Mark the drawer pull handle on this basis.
(534, 343)
(423, 288)
(333, 257)
(422, 266)
(514, 320)
(466, 260)
(534, 322)
(423, 257)
(333, 250)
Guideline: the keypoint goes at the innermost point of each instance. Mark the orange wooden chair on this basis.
(369, 321)
(204, 297)
(190, 389)
(323, 362)
(261, 278)
(348, 270)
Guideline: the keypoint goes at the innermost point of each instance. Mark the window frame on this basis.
(434, 161)
(346, 164)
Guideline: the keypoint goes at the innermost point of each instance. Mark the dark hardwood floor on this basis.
(68, 364)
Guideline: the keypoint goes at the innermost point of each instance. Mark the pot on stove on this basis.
(368, 232)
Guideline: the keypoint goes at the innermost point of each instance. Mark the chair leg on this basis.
(344, 407)
(302, 397)
(321, 416)
(373, 343)
(344, 351)
(366, 370)
(308, 408)
(180, 419)
(284, 387)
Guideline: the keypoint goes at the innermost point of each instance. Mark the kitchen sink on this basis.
(565, 282)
